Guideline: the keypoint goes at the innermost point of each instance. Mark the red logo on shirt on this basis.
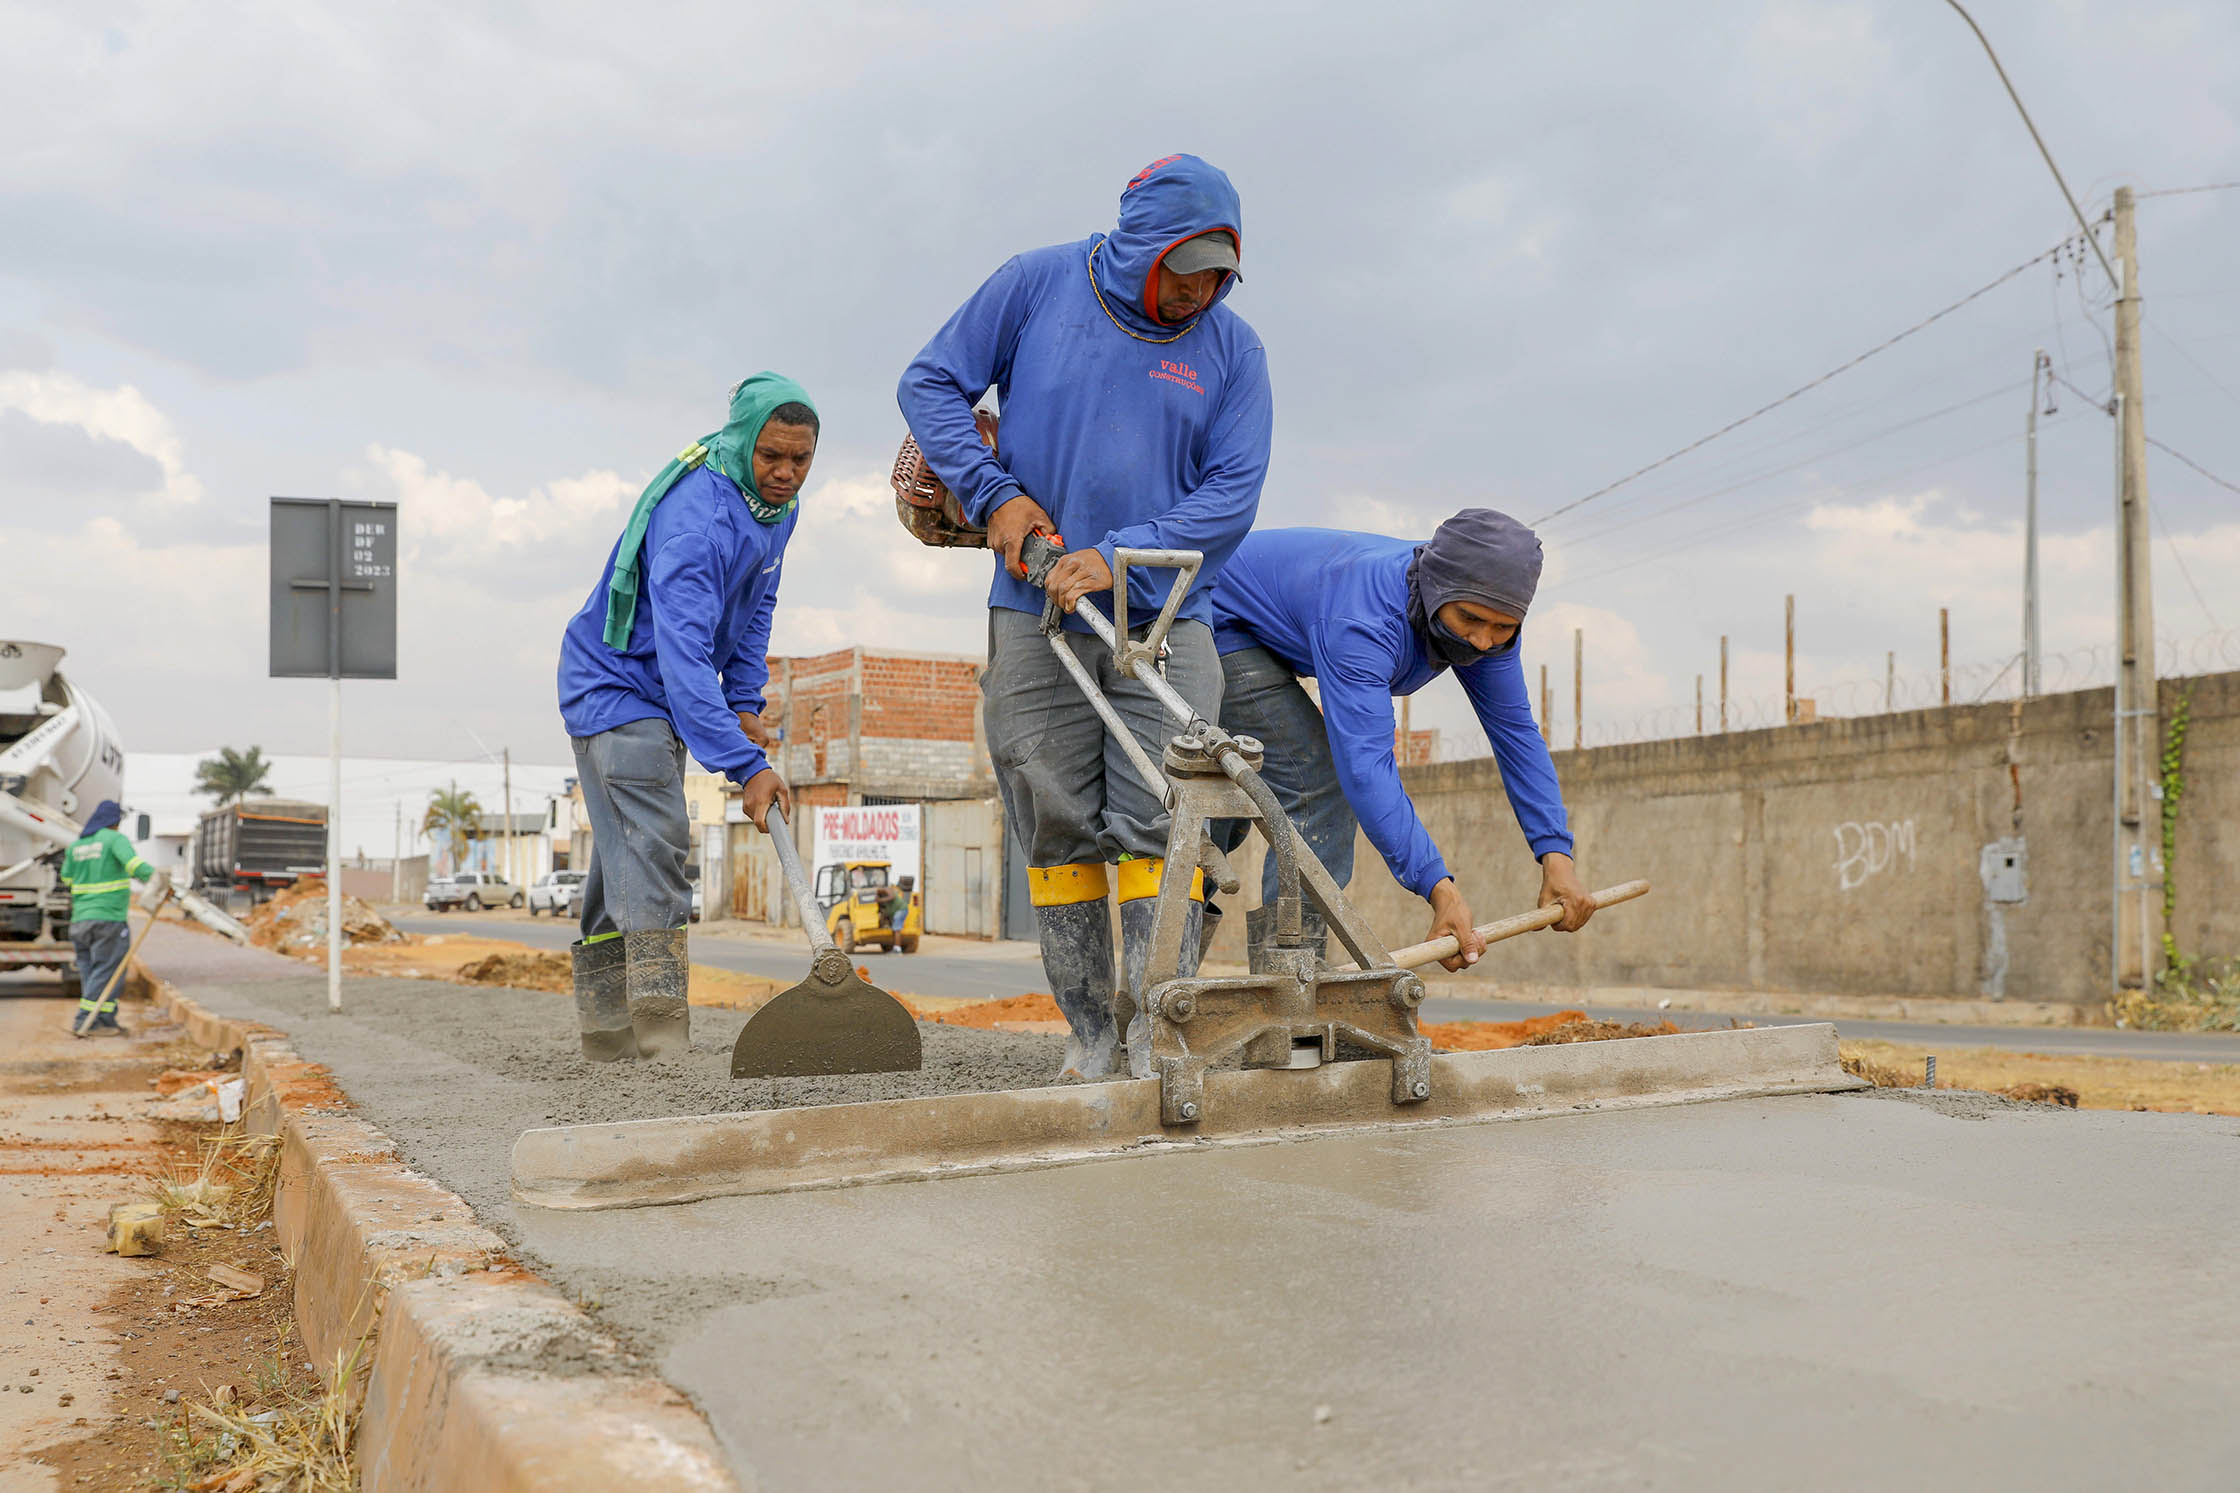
(1145, 174)
(1175, 371)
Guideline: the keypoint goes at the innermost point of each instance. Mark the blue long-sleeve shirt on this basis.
(1129, 432)
(1334, 606)
(699, 653)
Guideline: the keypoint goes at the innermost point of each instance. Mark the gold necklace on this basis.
(1107, 310)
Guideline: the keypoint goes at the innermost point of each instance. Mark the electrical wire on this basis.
(1802, 389)
(1746, 520)
(2180, 348)
(2030, 125)
(2179, 555)
(2168, 450)
(2214, 186)
(1816, 457)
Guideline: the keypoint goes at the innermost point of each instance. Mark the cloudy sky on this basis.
(497, 262)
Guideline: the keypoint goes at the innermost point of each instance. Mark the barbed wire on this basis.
(1976, 681)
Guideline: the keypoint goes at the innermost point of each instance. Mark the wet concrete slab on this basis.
(1839, 1292)
(1832, 1292)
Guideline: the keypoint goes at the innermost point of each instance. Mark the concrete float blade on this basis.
(634, 1163)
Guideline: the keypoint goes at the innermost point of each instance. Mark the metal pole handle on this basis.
(804, 899)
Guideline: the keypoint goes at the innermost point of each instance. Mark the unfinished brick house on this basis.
(863, 727)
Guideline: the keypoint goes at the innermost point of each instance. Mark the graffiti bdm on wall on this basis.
(1871, 848)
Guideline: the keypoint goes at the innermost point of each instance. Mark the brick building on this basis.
(863, 727)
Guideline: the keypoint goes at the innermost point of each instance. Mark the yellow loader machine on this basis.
(864, 906)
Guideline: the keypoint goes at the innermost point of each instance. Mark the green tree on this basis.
(454, 814)
(232, 776)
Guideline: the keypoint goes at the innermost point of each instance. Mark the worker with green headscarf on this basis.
(670, 653)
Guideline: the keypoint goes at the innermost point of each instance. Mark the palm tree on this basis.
(455, 814)
(232, 776)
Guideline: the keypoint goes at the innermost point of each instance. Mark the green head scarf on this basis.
(731, 452)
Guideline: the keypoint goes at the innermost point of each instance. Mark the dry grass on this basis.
(232, 1185)
(297, 1444)
(2094, 1082)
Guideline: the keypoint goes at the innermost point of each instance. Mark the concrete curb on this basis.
(641, 1162)
(481, 1375)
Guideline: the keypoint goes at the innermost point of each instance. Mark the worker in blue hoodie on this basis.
(671, 652)
(1135, 414)
(1372, 618)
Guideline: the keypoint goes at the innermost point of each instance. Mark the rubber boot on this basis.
(1209, 928)
(1136, 917)
(1077, 957)
(602, 1006)
(658, 969)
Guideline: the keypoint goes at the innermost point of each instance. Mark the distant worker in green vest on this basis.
(100, 870)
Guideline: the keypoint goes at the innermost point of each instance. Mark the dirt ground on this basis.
(475, 959)
(2099, 1083)
(98, 1366)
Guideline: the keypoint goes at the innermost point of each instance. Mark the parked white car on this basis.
(472, 890)
(556, 892)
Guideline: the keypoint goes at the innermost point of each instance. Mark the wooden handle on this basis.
(1416, 956)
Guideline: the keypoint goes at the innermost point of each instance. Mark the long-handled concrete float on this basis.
(1212, 1059)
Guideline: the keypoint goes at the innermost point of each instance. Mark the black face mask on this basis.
(1451, 648)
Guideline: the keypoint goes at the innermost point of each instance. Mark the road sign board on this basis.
(334, 589)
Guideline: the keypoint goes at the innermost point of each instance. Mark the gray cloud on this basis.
(1496, 256)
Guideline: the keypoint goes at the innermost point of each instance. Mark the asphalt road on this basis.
(1014, 970)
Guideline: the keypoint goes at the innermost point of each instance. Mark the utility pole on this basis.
(396, 853)
(1722, 684)
(1578, 688)
(1699, 705)
(1406, 736)
(2138, 723)
(2040, 366)
(1889, 681)
(507, 758)
(1789, 653)
(1944, 652)
(1547, 709)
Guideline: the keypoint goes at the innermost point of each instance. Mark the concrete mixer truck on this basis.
(59, 756)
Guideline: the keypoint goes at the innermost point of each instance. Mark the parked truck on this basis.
(258, 845)
(59, 757)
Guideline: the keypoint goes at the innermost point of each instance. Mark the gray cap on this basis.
(1208, 251)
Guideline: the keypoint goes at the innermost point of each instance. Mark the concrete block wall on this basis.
(1839, 857)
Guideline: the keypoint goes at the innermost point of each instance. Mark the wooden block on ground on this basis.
(135, 1229)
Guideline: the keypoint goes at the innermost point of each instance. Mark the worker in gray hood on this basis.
(1372, 618)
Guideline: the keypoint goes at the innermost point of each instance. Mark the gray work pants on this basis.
(633, 793)
(1261, 697)
(101, 947)
(1068, 788)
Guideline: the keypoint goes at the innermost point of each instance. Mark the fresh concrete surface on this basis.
(2055, 1041)
(1840, 1292)
(683, 1159)
(1790, 1293)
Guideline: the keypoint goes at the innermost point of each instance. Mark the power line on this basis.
(2214, 186)
(1803, 389)
(1746, 520)
(2168, 450)
(2179, 555)
(1815, 458)
(2202, 368)
(2028, 124)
